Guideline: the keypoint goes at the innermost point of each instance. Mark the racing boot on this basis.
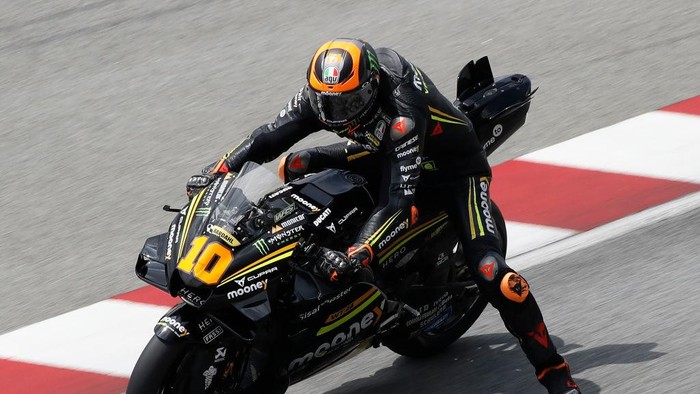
(523, 318)
(557, 380)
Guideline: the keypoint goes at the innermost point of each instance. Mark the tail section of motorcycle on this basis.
(497, 107)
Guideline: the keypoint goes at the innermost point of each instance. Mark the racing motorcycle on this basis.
(254, 316)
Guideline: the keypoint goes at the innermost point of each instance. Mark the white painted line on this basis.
(658, 144)
(524, 237)
(606, 232)
(106, 338)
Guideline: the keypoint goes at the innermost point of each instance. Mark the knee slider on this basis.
(514, 287)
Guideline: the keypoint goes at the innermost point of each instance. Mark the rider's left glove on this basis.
(361, 253)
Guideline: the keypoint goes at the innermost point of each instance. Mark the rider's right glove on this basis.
(333, 265)
(198, 182)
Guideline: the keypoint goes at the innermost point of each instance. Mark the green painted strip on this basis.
(349, 316)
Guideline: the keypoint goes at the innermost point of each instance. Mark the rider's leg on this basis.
(470, 211)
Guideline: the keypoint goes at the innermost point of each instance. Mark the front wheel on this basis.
(195, 368)
(157, 363)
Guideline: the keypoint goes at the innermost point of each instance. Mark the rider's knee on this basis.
(491, 266)
(499, 278)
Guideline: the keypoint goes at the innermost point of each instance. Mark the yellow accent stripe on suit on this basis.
(435, 117)
(469, 210)
(357, 155)
(444, 115)
(377, 234)
(409, 236)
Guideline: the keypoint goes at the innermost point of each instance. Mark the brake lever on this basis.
(168, 208)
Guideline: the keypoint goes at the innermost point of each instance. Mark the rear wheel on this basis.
(429, 343)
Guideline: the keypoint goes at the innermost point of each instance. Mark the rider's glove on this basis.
(361, 253)
(333, 264)
(198, 182)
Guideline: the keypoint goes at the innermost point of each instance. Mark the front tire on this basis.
(157, 363)
(184, 368)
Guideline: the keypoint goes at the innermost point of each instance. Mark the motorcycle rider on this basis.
(423, 152)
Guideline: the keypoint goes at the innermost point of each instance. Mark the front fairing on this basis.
(206, 238)
(223, 249)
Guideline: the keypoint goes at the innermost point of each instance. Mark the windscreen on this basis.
(252, 183)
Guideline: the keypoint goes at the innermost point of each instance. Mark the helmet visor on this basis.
(342, 108)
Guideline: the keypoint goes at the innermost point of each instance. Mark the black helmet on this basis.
(343, 78)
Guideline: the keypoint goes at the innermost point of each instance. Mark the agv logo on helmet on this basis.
(330, 75)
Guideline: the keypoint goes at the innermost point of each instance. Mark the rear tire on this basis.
(429, 344)
(426, 344)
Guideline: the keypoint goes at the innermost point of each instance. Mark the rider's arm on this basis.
(395, 212)
(265, 143)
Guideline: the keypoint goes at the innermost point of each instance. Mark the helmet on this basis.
(343, 78)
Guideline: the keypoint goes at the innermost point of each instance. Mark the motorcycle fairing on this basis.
(151, 266)
(185, 323)
(497, 107)
(427, 230)
(330, 327)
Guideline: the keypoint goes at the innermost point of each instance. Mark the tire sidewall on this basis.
(426, 345)
(155, 365)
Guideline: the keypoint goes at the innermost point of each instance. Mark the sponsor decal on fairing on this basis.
(304, 203)
(322, 217)
(247, 289)
(211, 336)
(347, 215)
(173, 325)
(338, 340)
(284, 212)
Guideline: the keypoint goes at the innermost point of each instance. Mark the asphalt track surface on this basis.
(106, 107)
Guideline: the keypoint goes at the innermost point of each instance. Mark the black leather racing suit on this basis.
(423, 152)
